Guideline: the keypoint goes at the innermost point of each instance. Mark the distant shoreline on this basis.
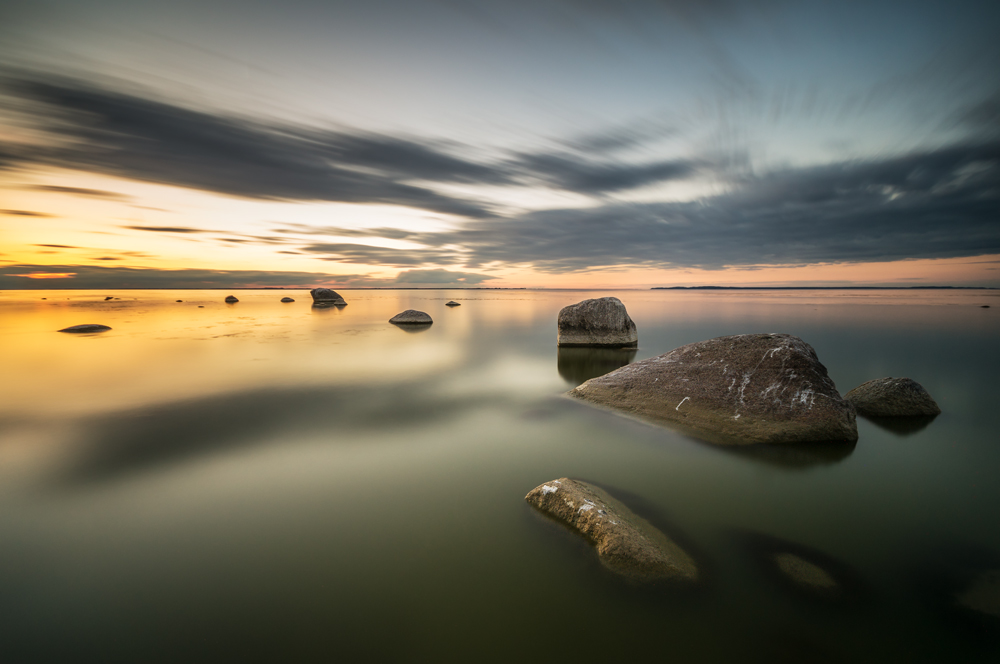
(496, 288)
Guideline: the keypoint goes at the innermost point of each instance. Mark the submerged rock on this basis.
(411, 317)
(325, 296)
(983, 594)
(85, 328)
(231, 299)
(180, 300)
(599, 322)
(288, 299)
(749, 388)
(578, 365)
(453, 303)
(805, 574)
(892, 397)
(626, 543)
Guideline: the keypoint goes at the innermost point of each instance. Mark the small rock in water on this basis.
(288, 299)
(599, 322)
(748, 388)
(804, 573)
(892, 397)
(108, 298)
(326, 296)
(626, 543)
(86, 328)
(411, 317)
(453, 303)
(230, 299)
(985, 306)
(201, 306)
(983, 595)
(180, 300)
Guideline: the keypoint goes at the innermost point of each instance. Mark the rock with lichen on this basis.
(893, 397)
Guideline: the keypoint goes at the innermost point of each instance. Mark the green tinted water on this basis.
(269, 482)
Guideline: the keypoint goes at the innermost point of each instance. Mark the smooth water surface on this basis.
(271, 482)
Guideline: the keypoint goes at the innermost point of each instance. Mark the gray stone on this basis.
(86, 328)
(453, 303)
(599, 322)
(892, 397)
(288, 299)
(230, 299)
(625, 543)
(744, 389)
(326, 296)
(411, 317)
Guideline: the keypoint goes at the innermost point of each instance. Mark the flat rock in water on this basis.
(108, 298)
(411, 317)
(231, 298)
(326, 296)
(453, 303)
(626, 543)
(287, 299)
(807, 575)
(743, 389)
(892, 397)
(599, 322)
(86, 328)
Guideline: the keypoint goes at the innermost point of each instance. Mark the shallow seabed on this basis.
(271, 482)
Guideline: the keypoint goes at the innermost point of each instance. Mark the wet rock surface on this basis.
(626, 544)
(453, 303)
(893, 397)
(411, 317)
(601, 322)
(326, 296)
(86, 328)
(744, 389)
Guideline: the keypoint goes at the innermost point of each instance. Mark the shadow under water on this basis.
(578, 365)
(901, 426)
(793, 456)
(413, 328)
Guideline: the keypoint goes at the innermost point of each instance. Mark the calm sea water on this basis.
(269, 482)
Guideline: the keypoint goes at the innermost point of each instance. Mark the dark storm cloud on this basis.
(24, 213)
(78, 191)
(125, 135)
(166, 229)
(90, 276)
(364, 254)
(934, 204)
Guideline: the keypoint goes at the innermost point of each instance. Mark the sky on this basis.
(458, 143)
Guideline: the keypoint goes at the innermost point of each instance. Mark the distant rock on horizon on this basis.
(86, 328)
(326, 297)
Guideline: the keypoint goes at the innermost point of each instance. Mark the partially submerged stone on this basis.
(411, 317)
(893, 397)
(288, 299)
(453, 303)
(231, 299)
(108, 298)
(326, 296)
(805, 574)
(749, 388)
(625, 543)
(85, 328)
(599, 322)
(983, 594)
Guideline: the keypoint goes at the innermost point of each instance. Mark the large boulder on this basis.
(749, 388)
(599, 322)
(626, 544)
(893, 397)
(86, 328)
(411, 317)
(325, 296)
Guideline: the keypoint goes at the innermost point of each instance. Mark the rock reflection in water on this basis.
(794, 456)
(901, 426)
(578, 365)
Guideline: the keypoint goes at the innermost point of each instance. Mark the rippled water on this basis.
(271, 482)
